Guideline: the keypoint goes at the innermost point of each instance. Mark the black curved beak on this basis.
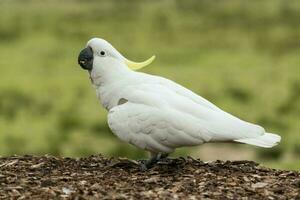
(85, 58)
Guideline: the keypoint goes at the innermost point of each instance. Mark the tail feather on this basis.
(267, 140)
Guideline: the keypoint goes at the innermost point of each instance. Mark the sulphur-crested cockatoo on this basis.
(157, 114)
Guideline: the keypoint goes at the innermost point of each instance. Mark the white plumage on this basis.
(159, 115)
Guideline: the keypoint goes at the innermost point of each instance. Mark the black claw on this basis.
(144, 167)
(147, 164)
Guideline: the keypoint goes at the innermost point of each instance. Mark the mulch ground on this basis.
(97, 177)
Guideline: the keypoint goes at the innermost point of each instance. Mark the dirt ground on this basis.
(97, 177)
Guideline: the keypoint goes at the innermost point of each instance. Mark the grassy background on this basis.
(241, 55)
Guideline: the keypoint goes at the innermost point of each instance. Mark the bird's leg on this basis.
(154, 157)
(164, 155)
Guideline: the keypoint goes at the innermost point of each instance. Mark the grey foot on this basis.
(145, 165)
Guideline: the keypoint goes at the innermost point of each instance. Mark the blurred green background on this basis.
(243, 56)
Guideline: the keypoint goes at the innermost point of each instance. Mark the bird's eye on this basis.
(102, 53)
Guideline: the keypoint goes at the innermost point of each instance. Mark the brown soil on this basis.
(97, 177)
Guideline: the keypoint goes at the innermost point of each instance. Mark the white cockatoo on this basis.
(157, 114)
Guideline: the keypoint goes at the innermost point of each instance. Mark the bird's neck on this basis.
(109, 83)
(109, 73)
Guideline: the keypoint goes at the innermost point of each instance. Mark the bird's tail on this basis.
(267, 140)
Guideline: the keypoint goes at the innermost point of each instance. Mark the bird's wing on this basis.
(218, 125)
(155, 129)
(179, 89)
(222, 125)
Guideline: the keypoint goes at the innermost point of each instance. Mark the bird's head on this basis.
(98, 53)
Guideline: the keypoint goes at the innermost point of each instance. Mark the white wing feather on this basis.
(175, 116)
(154, 129)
